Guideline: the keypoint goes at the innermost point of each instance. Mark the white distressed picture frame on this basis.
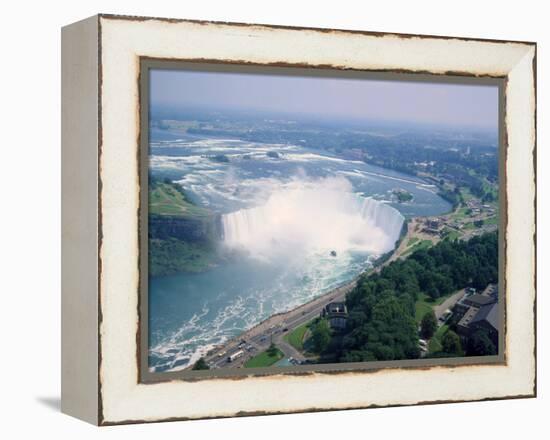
(101, 194)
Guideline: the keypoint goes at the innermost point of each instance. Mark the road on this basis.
(288, 350)
(273, 329)
(448, 303)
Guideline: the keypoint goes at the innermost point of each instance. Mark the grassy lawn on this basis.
(424, 304)
(424, 244)
(451, 234)
(165, 199)
(460, 213)
(435, 343)
(466, 194)
(264, 359)
(296, 336)
(412, 241)
(491, 221)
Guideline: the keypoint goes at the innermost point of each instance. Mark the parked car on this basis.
(443, 318)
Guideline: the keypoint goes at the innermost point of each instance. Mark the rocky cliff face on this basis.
(193, 230)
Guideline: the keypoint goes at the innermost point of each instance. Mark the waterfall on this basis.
(385, 217)
(320, 217)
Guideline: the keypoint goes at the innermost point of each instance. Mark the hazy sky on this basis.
(437, 103)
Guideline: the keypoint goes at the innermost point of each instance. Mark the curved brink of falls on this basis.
(306, 219)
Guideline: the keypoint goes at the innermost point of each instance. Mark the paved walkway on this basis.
(289, 351)
(448, 303)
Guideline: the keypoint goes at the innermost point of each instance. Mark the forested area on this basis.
(381, 323)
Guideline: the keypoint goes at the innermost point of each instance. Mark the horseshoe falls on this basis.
(311, 217)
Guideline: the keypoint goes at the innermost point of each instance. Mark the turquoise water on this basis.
(189, 313)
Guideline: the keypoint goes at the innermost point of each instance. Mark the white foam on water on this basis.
(319, 273)
(307, 157)
(309, 216)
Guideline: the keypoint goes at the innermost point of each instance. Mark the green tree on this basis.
(201, 365)
(272, 350)
(381, 323)
(320, 336)
(428, 326)
(488, 197)
(433, 292)
(451, 343)
(479, 344)
(482, 277)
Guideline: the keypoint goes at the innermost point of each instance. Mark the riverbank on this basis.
(258, 338)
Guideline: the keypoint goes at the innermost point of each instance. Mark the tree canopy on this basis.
(201, 365)
(450, 344)
(381, 322)
(320, 335)
(428, 326)
(479, 344)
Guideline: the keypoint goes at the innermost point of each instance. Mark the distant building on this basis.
(433, 223)
(478, 300)
(433, 226)
(492, 291)
(472, 301)
(337, 314)
(487, 319)
(463, 326)
(478, 311)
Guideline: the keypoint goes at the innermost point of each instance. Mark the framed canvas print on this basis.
(262, 219)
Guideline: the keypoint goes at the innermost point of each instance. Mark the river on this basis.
(306, 221)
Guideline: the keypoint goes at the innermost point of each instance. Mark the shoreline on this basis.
(276, 321)
(274, 325)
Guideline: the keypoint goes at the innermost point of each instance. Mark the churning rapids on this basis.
(300, 222)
